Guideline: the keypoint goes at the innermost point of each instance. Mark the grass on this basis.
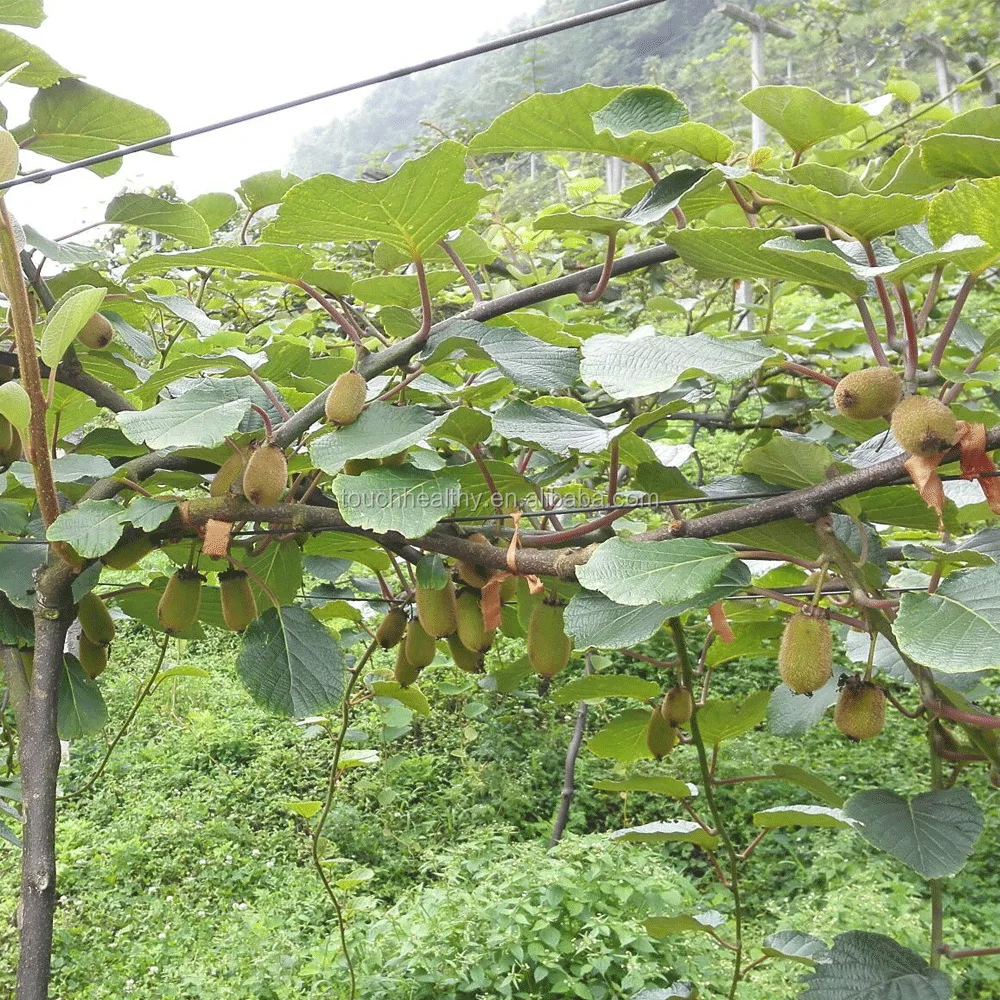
(186, 874)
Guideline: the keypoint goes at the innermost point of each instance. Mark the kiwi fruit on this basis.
(96, 333)
(420, 646)
(472, 575)
(661, 736)
(465, 658)
(180, 601)
(129, 550)
(436, 610)
(549, 647)
(229, 475)
(860, 711)
(678, 705)
(868, 394)
(805, 657)
(508, 589)
(923, 425)
(469, 619)
(391, 629)
(6, 373)
(93, 657)
(391, 461)
(13, 452)
(355, 466)
(6, 434)
(406, 673)
(95, 619)
(346, 399)
(265, 475)
(239, 606)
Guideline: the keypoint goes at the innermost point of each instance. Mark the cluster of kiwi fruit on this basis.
(921, 425)
(261, 475)
(97, 630)
(805, 664)
(662, 730)
(180, 602)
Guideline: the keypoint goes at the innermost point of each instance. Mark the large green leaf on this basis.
(73, 120)
(202, 417)
(623, 738)
(803, 116)
(653, 784)
(934, 833)
(171, 218)
(957, 628)
(670, 572)
(596, 621)
(92, 527)
(382, 430)
(411, 210)
(783, 816)
(644, 363)
(970, 207)
(664, 196)
(797, 947)
(559, 431)
(597, 687)
(789, 462)
(668, 832)
(720, 720)
(406, 500)
(18, 564)
(216, 208)
(42, 70)
(525, 360)
(865, 966)
(267, 188)
(28, 13)
(810, 782)
(740, 253)
(62, 252)
(291, 664)
(80, 710)
(15, 406)
(267, 261)
(67, 319)
(684, 923)
(863, 216)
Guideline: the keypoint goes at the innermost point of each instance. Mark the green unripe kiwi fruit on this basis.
(6, 373)
(266, 475)
(13, 452)
(391, 629)
(355, 466)
(678, 705)
(95, 619)
(97, 332)
(805, 657)
(346, 399)
(405, 672)
(860, 711)
(130, 549)
(436, 610)
(661, 736)
(549, 647)
(465, 659)
(229, 475)
(420, 647)
(239, 606)
(93, 657)
(180, 601)
(6, 434)
(391, 461)
(508, 589)
(869, 393)
(924, 425)
(469, 619)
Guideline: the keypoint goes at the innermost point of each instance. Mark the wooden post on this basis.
(940, 52)
(759, 28)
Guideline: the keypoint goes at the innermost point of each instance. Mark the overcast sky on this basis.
(195, 61)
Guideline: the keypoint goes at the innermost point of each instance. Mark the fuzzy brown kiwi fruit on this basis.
(465, 658)
(420, 646)
(469, 620)
(229, 476)
(93, 657)
(805, 657)
(346, 399)
(95, 619)
(132, 547)
(180, 602)
(869, 393)
(97, 332)
(265, 475)
(860, 711)
(678, 705)
(406, 673)
(549, 647)
(924, 425)
(436, 610)
(661, 736)
(391, 629)
(239, 606)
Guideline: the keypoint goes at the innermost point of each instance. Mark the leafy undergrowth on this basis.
(185, 873)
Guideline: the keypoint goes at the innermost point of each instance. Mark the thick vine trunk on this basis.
(39, 755)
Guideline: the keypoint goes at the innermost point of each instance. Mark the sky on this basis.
(196, 61)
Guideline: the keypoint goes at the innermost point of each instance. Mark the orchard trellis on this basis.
(234, 463)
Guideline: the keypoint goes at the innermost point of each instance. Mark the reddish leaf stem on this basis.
(600, 288)
(952, 321)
